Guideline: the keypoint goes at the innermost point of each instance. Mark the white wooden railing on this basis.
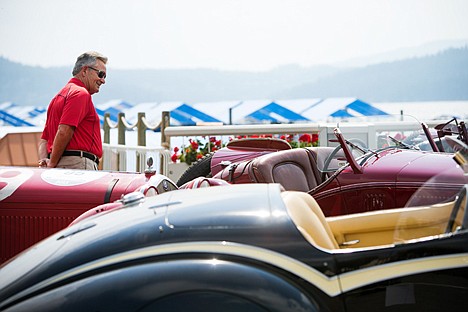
(133, 158)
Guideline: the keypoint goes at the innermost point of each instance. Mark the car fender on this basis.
(153, 285)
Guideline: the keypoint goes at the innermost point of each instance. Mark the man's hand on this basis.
(42, 149)
(43, 163)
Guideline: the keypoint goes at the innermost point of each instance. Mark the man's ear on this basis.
(83, 71)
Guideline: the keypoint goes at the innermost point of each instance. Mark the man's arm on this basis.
(62, 138)
(42, 151)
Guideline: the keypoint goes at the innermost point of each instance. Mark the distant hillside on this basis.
(27, 85)
(436, 77)
(195, 85)
(443, 76)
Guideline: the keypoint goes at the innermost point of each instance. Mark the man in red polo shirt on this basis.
(72, 136)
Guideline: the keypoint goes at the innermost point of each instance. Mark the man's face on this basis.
(92, 80)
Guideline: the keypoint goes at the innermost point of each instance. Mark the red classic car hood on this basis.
(62, 186)
(407, 165)
(426, 166)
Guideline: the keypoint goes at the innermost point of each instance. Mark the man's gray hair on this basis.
(88, 59)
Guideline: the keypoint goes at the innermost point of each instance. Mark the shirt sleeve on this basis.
(75, 108)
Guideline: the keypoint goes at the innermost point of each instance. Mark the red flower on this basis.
(174, 157)
(315, 137)
(306, 137)
(283, 137)
(176, 149)
(194, 145)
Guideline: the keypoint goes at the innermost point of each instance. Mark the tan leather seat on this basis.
(309, 219)
(295, 169)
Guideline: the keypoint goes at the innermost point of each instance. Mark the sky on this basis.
(253, 35)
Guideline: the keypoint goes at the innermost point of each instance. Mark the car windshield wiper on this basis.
(402, 144)
(360, 148)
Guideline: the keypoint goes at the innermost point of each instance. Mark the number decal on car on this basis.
(11, 179)
(63, 177)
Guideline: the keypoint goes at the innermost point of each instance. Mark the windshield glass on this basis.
(446, 185)
(422, 219)
(418, 135)
(425, 221)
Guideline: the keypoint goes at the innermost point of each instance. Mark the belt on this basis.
(81, 154)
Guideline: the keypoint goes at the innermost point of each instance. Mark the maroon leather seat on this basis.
(295, 169)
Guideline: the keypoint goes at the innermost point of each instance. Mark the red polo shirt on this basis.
(73, 106)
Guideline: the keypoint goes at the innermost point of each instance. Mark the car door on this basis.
(424, 275)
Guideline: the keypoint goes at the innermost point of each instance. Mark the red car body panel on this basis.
(35, 202)
(384, 180)
(390, 180)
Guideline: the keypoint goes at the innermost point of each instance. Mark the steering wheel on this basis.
(330, 158)
(335, 151)
(456, 207)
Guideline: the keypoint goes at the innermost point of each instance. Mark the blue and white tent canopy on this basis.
(189, 116)
(226, 112)
(243, 109)
(131, 114)
(222, 110)
(21, 116)
(182, 114)
(261, 111)
(299, 105)
(333, 108)
(275, 113)
(113, 107)
(358, 108)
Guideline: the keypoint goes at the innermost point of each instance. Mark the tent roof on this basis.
(7, 105)
(219, 110)
(276, 113)
(131, 114)
(187, 115)
(17, 115)
(239, 112)
(117, 104)
(342, 113)
(299, 105)
(341, 107)
(322, 109)
(365, 109)
(181, 113)
(113, 107)
(245, 108)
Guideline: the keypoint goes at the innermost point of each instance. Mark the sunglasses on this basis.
(101, 74)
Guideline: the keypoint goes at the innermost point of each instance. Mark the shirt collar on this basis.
(77, 82)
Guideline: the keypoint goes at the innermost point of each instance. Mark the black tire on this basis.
(200, 168)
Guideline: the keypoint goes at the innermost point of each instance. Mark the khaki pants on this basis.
(77, 162)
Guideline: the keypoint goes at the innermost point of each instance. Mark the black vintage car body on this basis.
(247, 247)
